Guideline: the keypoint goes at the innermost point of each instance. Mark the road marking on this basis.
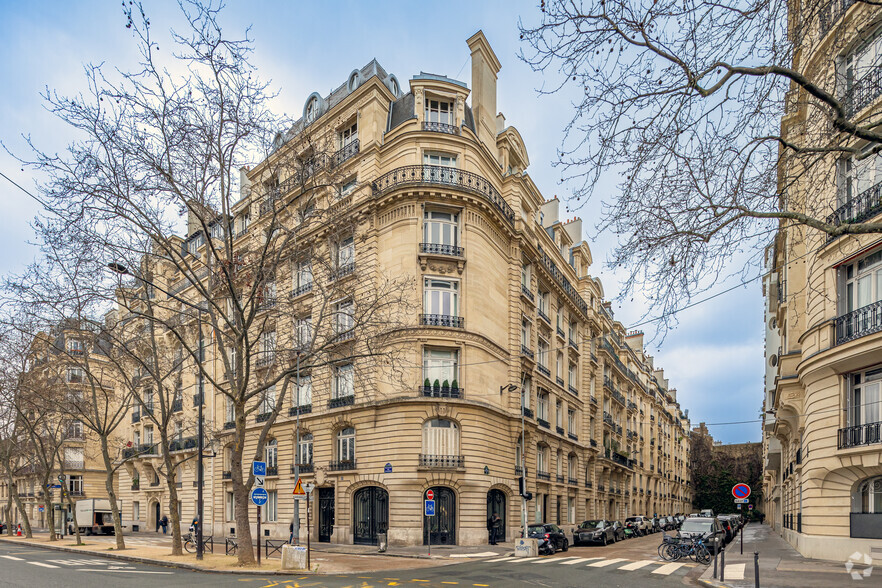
(41, 564)
(506, 558)
(667, 569)
(119, 571)
(605, 562)
(578, 560)
(553, 560)
(523, 559)
(450, 582)
(637, 565)
(12, 557)
(735, 571)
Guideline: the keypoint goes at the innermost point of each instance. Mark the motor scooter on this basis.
(631, 530)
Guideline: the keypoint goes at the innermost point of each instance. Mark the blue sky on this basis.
(714, 357)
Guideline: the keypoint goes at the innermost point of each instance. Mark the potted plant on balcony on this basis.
(427, 386)
(454, 388)
(437, 387)
(445, 388)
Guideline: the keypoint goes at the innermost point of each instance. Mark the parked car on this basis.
(551, 538)
(668, 523)
(728, 527)
(707, 512)
(595, 531)
(642, 524)
(705, 527)
(619, 530)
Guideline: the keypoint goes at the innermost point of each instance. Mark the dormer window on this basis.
(439, 116)
(312, 110)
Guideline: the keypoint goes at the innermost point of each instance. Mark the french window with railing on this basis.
(441, 303)
(864, 409)
(440, 367)
(302, 277)
(344, 318)
(440, 233)
(860, 300)
(439, 116)
(440, 444)
(343, 386)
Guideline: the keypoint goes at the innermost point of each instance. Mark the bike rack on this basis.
(272, 546)
(231, 546)
(208, 544)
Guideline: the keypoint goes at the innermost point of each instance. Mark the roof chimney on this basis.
(485, 67)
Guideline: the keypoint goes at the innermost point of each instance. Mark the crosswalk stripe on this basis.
(12, 557)
(552, 560)
(41, 564)
(506, 558)
(637, 565)
(578, 560)
(605, 562)
(735, 571)
(523, 559)
(667, 569)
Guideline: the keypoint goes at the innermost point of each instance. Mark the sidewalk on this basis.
(327, 559)
(780, 565)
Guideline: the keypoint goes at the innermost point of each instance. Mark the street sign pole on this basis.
(307, 529)
(258, 534)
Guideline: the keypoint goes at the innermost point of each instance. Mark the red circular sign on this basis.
(430, 495)
(741, 491)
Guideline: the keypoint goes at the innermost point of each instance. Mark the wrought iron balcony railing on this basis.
(178, 405)
(342, 465)
(863, 92)
(526, 292)
(543, 423)
(229, 425)
(560, 479)
(417, 175)
(305, 468)
(528, 412)
(560, 430)
(543, 369)
(265, 359)
(442, 461)
(442, 320)
(341, 401)
(437, 127)
(441, 249)
(543, 316)
(573, 436)
(342, 271)
(864, 206)
(263, 417)
(859, 323)
(526, 351)
(441, 392)
(868, 434)
(304, 409)
(543, 475)
(302, 289)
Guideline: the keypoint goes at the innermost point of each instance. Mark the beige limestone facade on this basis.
(513, 363)
(823, 390)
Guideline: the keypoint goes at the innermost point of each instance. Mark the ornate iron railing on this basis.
(302, 289)
(437, 127)
(859, 323)
(830, 14)
(865, 205)
(415, 175)
(863, 92)
(341, 401)
(543, 423)
(342, 465)
(442, 320)
(295, 410)
(868, 434)
(441, 249)
(526, 292)
(528, 412)
(442, 461)
(543, 475)
(526, 352)
(563, 282)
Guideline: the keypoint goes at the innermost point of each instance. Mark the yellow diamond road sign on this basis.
(298, 489)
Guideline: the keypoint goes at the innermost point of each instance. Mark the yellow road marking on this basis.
(393, 584)
(420, 580)
(480, 584)
(450, 582)
(271, 585)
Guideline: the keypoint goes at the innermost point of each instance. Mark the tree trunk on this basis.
(240, 495)
(76, 523)
(50, 507)
(25, 521)
(111, 494)
(171, 482)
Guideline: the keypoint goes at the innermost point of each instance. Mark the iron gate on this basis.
(442, 526)
(370, 514)
(326, 514)
(496, 503)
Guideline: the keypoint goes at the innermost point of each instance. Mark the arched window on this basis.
(353, 81)
(867, 498)
(312, 110)
(440, 437)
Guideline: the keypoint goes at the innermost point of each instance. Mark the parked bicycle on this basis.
(673, 549)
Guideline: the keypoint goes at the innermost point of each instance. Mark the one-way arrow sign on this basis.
(258, 481)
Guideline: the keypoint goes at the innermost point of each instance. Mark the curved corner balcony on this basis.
(859, 323)
(438, 175)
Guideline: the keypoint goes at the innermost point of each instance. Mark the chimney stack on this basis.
(485, 67)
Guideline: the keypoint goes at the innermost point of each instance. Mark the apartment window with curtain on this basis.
(303, 332)
(558, 413)
(559, 367)
(572, 376)
(271, 454)
(865, 398)
(525, 276)
(344, 317)
(571, 420)
(345, 254)
(304, 449)
(860, 300)
(441, 301)
(346, 445)
(303, 391)
(441, 229)
(541, 459)
(440, 438)
(543, 302)
(267, 401)
(526, 391)
(525, 333)
(542, 348)
(302, 276)
(349, 135)
(440, 365)
(542, 406)
(343, 381)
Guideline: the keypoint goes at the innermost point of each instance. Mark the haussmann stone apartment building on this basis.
(537, 379)
(823, 402)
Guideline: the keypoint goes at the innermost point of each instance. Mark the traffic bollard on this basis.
(723, 564)
(716, 554)
(756, 569)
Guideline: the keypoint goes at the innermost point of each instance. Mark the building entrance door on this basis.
(326, 514)
(370, 514)
(442, 526)
(496, 503)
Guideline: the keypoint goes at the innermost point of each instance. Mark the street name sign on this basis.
(741, 501)
(259, 496)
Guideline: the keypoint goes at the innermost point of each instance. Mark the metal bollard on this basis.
(716, 553)
(756, 569)
(723, 564)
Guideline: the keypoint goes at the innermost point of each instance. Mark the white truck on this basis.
(93, 517)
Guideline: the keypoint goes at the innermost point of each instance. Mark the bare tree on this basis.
(685, 102)
(12, 438)
(155, 144)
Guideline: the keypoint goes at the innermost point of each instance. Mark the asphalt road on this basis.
(29, 567)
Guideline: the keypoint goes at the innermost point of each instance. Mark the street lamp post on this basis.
(200, 444)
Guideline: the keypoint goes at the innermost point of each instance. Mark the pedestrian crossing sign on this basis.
(298, 489)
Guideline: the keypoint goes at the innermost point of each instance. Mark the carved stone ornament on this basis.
(320, 477)
(442, 409)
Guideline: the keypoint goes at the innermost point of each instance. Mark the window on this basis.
(75, 485)
(75, 375)
(441, 228)
(572, 466)
(558, 413)
(857, 68)
(304, 332)
(148, 435)
(303, 276)
(559, 463)
(230, 509)
(346, 444)
(303, 392)
(443, 168)
(271, 454)
(179, 430)
(440, 297)
(312, 108)
(867, 498)
(542, 406)
(542, 459)
(75, 429)
(863, 282)
(559, 367)
(345, 253)
(573, 332)
(525, 333)
(571, 420)
(347, 187)
(343, 317)
(349, 135)
(526, 392)
(73, 458)
(343, 383)
(440, 365)
(75, 347)
(543, 353)
(572, 376)
(268, 343)
(304, 449)
(571, 510)
(267, 400)
(230, 410)
(543, 302)
(270, 509)
(865, 397)
(561, 321)
(136, 509)
(440, 437)
(438, 111)
(525, 276)
(243, 221)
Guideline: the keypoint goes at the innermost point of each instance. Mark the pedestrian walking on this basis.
(494, 525)
(291, 536)
(164, 524)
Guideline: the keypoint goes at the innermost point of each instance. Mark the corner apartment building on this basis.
(822, 419)
(515, 364)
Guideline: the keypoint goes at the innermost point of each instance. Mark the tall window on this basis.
(857, 69)
(349, 135)
(441, 228)
(440, 364)
(525, 333)
(543, 302)
(863, 282)
(525, 276)
(268, 343)
(573, 332)
(303, 392)
(230, 510)
(267, 400)
(271, 453)
(304, 449)
(440, 297)
(542, 348)
(526, 392)
(303, 330)
(865, 397)
(440, 437)
(230, 410)
(344, 318)
(542, 459)
(559, 367)
(303, 276)
(444, 170)
(868, 497)
(572, 376)
(558, 413)
(75, 347)
(438, 111)
(148, 435)
(571, 420)
(542, 406)
(345, 253)
(74, 429)
(75, 485)
(270, 509)
(75, 375)
(312, 110)
(346, 444)
(343, 382)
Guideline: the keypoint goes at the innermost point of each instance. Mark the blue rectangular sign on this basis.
(430, 508)
(259, 468)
